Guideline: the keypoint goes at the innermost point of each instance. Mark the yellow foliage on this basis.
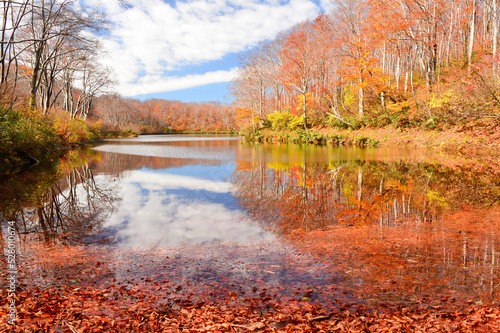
(280, 120)
(72, 131)
(435, 197)
(296, 122)
(348, 190)
(399, 106)
(311, 102)
(349, 97)
(438, 102)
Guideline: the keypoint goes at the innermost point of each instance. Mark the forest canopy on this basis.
(376, 62)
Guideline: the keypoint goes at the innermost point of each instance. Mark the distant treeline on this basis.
(164, 116)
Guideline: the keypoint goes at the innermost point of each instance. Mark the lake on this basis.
(206, 216)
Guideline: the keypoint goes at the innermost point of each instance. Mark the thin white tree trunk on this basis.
(471, 35)
(495, 37)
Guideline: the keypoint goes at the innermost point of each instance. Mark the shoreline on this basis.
(476, 140)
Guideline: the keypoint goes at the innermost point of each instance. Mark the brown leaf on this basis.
(319, 318)
(251, 326)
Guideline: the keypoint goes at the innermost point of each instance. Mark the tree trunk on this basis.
(495, 37)
(471, 35)
(3, 48)
(35, 78)
(360, 102)
(304, 107)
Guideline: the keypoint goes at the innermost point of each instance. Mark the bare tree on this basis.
(13, 14)
(84, 76)
(56, 30)
(95, 80)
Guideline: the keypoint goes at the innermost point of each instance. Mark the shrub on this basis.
(21, 134)
(432, 122)
(25, 132)
(363, 141)
(335, 139)
(336, 123)
(279, 120)
(315, 137)
(72, 131)
(296, 122)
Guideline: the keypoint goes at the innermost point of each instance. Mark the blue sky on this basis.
(188, 50)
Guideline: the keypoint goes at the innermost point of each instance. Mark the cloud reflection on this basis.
(168, 151)
(163, 209)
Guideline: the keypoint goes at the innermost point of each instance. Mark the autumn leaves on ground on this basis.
(381, 279)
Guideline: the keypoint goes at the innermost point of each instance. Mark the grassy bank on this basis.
(313, 136)
(481, 134)
(27, 137)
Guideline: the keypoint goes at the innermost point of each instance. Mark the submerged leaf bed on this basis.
(227, 287)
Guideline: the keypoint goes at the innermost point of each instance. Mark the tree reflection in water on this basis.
(71, 210)
(400, 228)
(76, 208)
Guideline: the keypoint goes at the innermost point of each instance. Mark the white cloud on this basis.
(157, 83)
(154, 37)
(327, 5)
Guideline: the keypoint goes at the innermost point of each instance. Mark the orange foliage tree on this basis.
(386, 55)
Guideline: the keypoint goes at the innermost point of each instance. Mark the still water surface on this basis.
(281, 215)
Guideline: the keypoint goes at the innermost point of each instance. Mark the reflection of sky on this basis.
(213, 173)
(172, 206)
(169, 151)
